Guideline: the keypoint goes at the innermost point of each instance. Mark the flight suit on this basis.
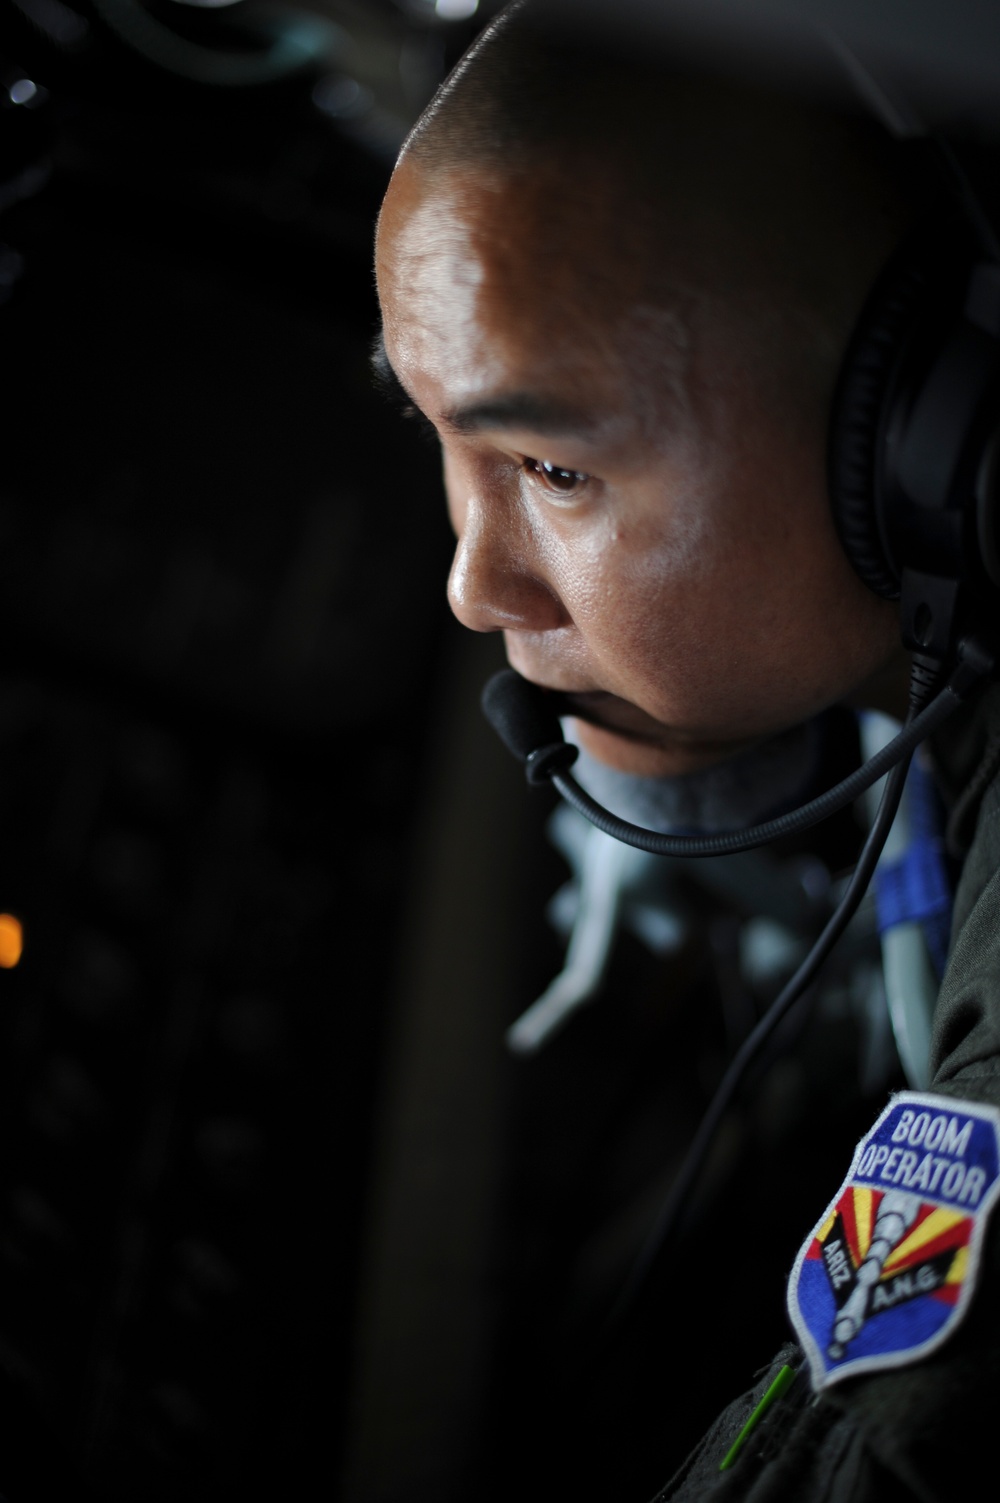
(927, 1430)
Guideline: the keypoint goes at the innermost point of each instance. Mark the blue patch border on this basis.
(824, 1377)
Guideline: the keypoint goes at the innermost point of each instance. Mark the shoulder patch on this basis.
(888, 1273)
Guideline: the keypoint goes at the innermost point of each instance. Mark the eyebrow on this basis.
(522, 409)
(543, 415)
(392, 388)
(386, 379)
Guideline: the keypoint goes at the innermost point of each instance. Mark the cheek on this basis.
(643, 602)
(646, 569)
(689, 607)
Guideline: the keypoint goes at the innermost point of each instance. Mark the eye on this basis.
(554, 478)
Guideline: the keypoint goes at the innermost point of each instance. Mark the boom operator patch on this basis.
(888, 1273)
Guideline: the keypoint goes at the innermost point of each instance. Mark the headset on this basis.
(915, 430)
(913, 468)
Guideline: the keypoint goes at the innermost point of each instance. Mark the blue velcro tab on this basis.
(916, 889)
(913, 888)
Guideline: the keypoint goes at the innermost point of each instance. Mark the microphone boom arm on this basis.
(523, 714)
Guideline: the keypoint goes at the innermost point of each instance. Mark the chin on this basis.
(645, 759)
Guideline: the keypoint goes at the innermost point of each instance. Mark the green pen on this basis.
(780, 1385)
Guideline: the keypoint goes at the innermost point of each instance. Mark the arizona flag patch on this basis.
(889, 1271)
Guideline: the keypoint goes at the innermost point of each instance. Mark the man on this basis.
(623, 302)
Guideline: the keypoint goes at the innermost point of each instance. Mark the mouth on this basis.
(609, 713)
(621, 735)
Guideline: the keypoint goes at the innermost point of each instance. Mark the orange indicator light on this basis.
(11, 941)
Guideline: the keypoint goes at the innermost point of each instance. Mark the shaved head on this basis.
(621, 294)
(763, 185)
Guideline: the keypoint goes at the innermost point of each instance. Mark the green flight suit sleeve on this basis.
(924, 1432)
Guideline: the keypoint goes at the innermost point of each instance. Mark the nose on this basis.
(496, 581)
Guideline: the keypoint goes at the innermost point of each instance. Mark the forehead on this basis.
(489, 281)
(560, 221)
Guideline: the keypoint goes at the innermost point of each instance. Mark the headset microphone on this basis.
(526, 718)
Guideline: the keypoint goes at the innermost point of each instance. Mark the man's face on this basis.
(634, 472)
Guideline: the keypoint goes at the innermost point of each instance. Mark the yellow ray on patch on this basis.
(938, 1222)
(959, 1266)
(864, 1218)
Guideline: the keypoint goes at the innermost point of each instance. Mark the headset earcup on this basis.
(866, 380)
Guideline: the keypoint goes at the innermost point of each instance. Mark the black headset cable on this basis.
(527, 720)
(671, 1216)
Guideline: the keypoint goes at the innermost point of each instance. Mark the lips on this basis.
(613, 714)
(600, 708)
